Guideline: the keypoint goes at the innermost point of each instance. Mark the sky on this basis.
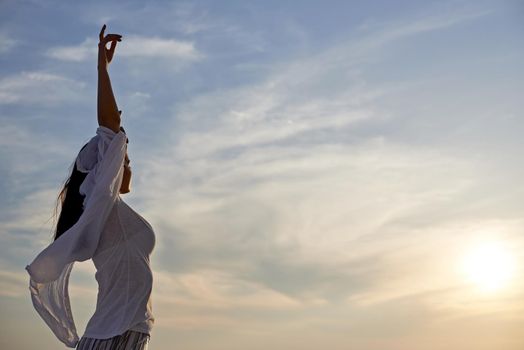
(319, 174)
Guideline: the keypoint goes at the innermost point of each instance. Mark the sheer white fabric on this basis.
(50, 270)
(123, 274)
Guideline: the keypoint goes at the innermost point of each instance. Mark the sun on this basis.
(489, 265)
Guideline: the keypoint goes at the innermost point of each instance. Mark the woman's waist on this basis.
(123, 292)
(115, 273)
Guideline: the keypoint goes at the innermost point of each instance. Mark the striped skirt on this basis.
(129, 340)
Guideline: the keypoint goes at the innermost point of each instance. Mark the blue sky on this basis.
(318, 173)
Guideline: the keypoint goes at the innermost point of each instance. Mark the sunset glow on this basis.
(490, 266)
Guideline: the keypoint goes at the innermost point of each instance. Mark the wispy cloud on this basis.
(40, 88)
(132, 46)
(139, 46)
(430, 21)
(12, 284)
(77, 53)
(6, 43)
(324, 90)
(299, 175)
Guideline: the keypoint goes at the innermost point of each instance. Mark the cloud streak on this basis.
(39, 88)
(132, 46)
(6, 43)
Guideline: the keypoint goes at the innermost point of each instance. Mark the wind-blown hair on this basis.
(70, 201)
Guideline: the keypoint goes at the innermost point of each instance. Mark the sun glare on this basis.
(489, 265)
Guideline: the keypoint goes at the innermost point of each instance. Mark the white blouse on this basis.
(115, 237)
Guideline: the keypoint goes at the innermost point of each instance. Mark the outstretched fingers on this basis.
(112, 37)
(101, 35)
(104, 39)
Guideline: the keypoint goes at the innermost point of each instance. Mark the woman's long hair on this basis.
(70, 202)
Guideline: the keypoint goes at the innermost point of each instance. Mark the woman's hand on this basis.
(105, 55)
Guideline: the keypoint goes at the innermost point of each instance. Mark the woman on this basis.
(95, 223)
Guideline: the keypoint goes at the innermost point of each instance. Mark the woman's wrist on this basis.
(102, 60)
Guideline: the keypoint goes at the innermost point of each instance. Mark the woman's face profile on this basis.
(126, 179)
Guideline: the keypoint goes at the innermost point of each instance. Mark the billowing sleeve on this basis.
(49, 272)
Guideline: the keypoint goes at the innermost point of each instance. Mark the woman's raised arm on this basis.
(107, 110)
